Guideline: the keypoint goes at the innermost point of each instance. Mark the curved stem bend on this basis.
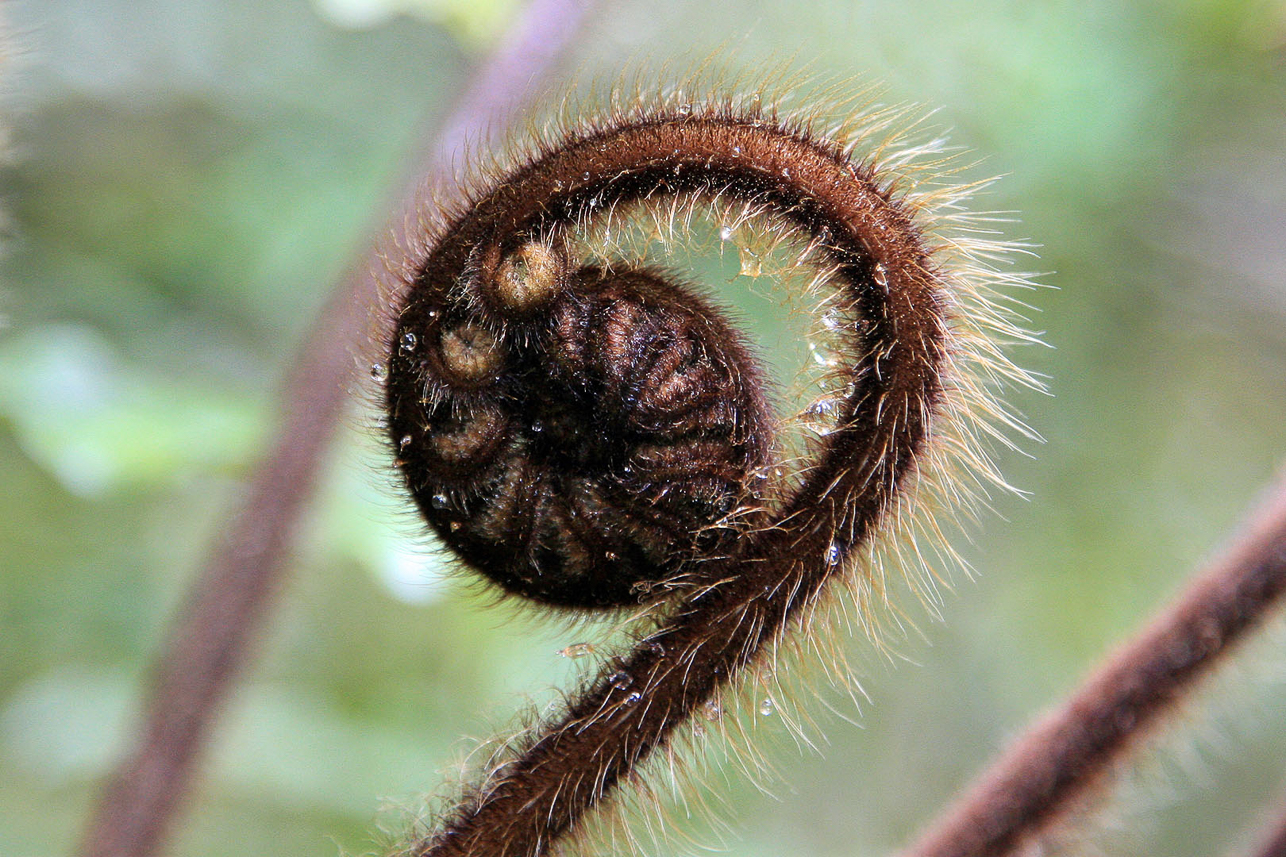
(751, 594)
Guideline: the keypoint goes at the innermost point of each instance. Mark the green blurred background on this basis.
(188, 179)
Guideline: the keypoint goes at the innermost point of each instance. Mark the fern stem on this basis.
(1068, 751)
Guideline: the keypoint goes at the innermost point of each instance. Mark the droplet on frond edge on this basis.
(404, 443)
(379, 371)
(407, 343)
(834, 554)
(822, 357)
(751, 264)
(621, 680)
(822, 416)
(577, 650)
(767, 707)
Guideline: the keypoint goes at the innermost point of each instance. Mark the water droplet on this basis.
(685, 109)
(633, 697)
(558, 185)
(751, 265)
(655, 647)
(725, 234)
(621, 680)
(678, 168)
(611, 556)
(441, 501)
(822, 416)
(455, 526)
(820, 357)
(379, 371)
(407, 343)
(880, 275)
(785, 171)
(767, 707)
(832, 320)
(577, 650)
(585, 177)
(736, 150)
(404, 443)
(537, 426)
(712, 710)
(834, 554)
(823, 409)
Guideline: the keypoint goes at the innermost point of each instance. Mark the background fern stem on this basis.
(1270, 839)
(1067, 752)
(208, 642)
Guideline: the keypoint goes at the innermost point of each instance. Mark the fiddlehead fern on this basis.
(588, 432)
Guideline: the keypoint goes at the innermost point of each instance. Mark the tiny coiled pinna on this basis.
(590, 432)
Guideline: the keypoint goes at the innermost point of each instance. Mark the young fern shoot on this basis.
(587, 432)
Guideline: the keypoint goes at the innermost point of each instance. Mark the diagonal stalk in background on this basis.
(1068, 751)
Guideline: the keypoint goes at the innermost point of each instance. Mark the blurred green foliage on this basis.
(190, 177)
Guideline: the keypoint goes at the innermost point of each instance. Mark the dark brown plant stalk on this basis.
(209, 642)
(1068, 752)
(1271, 840)
(592, 435)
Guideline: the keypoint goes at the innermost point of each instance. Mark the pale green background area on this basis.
(189, 178)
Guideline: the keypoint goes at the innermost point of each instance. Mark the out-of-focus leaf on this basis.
(98, 423)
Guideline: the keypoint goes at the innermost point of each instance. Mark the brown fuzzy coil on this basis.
(582, 455)
(591, 434)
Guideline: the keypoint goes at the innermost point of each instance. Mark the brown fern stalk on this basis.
(542, 410)
(1271, 840)
(1068, 752)
(228, 602)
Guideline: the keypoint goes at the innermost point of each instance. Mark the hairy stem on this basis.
(735, 604)
(228, 601)
(1065, 753)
